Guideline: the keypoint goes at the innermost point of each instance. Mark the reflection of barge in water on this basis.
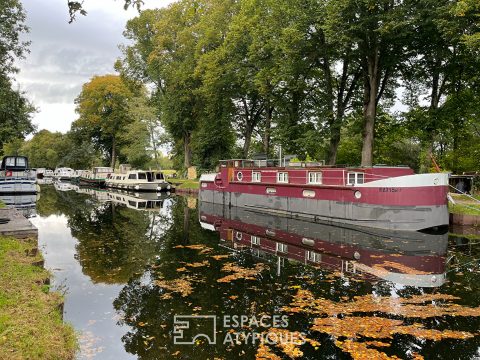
(407, 258)
(138, 201)
(379, 197)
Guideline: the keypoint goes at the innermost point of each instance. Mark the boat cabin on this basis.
(14, 163)
(304, 173)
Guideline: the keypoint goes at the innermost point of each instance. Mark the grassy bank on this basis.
(464, 205)
(185, 184)
(31, 326)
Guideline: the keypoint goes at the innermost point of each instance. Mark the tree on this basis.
(15, 109)
(76, 7)
(377, 31)
(11, 28)
(103, 113)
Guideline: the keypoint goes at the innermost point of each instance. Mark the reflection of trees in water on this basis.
(116, 243)
(145, 308)
(66, 203)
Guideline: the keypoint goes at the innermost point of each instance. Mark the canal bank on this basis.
(31, 317)
(31, 324)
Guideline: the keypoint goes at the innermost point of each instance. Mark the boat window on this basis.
(314, 177)
(239, 176)
(132, 176)
(21, 161)
(308, 193)
(282, 247)
(282, 177)
(142, 176)
(355, 178)
(159, 176)
(313, 256)
(255, 240)
(256, 176)
(10, 161)
(132, 203)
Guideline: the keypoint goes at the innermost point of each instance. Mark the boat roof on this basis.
(14, 163)
(275, 163)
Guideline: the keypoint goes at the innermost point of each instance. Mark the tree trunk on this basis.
(268, 124)
(187, 150)
(248, 138)
(154, 146)
(334, 141)
(370, 108)
(434, 101)
(113, 159)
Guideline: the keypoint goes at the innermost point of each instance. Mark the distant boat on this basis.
(64, 173)
(139, 180)
(16, 177)
(95, 177)
(381, 197)
(47, 173)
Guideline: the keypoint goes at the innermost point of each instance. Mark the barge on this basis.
(96, 177)
(381, 197)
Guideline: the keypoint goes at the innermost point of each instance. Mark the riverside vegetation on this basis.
(31, 324)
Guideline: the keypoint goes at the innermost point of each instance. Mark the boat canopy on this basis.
(14, 163)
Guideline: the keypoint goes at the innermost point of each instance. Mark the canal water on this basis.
(168, 278)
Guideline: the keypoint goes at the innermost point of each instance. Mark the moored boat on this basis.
(16, 177)
(48, 173)
(64, 173)
(138, 180)
(380, 197)
(96, 177)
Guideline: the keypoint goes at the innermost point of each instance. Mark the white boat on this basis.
(16, 177)
(138, 180)
(47, 173)
(64, 173)
(80, 173)
(95, 177)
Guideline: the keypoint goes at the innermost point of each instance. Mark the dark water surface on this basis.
(311, 291)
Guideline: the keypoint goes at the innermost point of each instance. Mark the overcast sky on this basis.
(64, 56)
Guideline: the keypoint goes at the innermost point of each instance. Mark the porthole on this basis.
(308, 193)
(358, 194)
(239, 176)
(238, 235)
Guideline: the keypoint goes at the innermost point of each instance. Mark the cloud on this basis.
(65, 56)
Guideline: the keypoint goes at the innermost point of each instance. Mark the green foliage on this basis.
(103, 114)
(234, 78)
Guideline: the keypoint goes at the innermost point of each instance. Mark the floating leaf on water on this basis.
(241, 272)
(182, 286)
